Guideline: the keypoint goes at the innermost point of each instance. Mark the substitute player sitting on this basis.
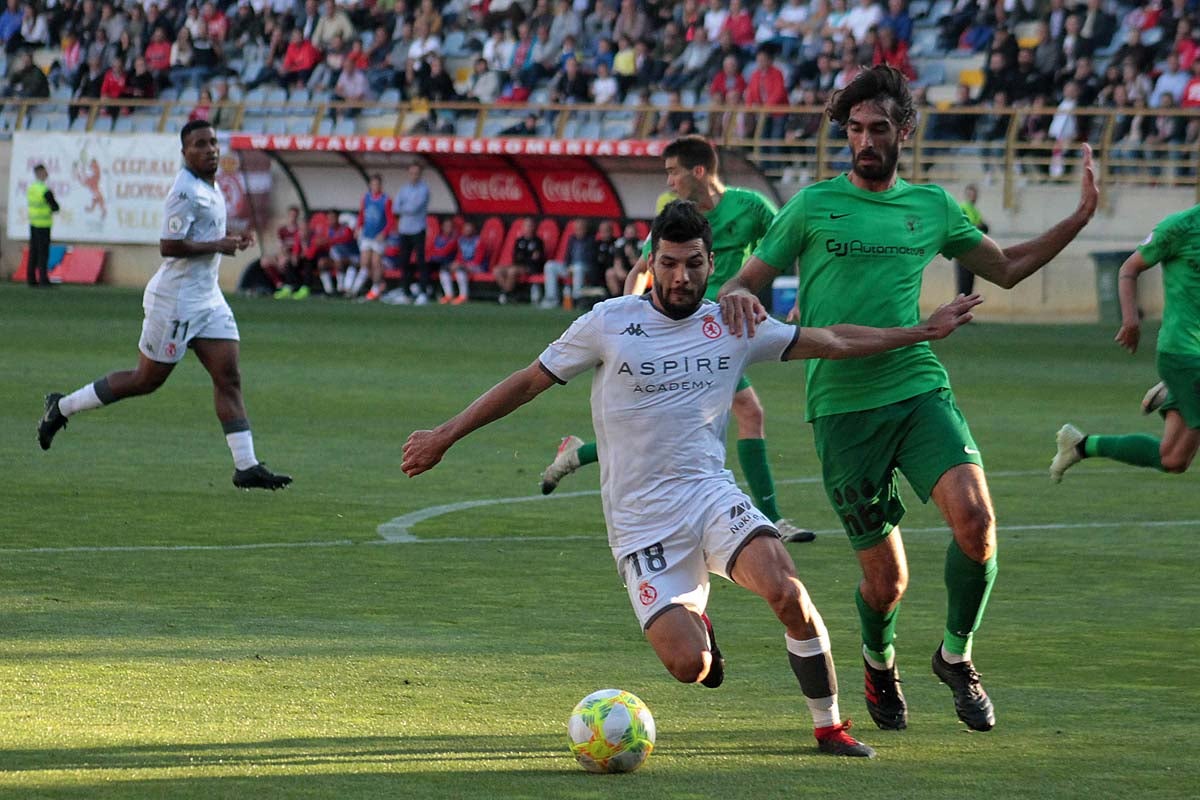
(665, 371)
(185, 308)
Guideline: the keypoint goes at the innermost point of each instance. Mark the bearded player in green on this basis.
(864, 239)
(739, 218)
(1175, 242)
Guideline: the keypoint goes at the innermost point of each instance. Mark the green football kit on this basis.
(862, 257)
(1175, 243)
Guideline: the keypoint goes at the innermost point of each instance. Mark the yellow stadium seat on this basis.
(971, 77)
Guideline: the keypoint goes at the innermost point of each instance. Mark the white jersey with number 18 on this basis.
(660, 403)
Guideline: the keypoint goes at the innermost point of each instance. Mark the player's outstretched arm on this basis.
(424, 449)
(854, 341)
(1006, 267)
(1131, 324)
(740, 305)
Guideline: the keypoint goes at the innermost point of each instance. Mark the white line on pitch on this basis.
(399, 529)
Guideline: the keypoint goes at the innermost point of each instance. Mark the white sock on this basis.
(447, 284)
(464, 283)
(874, 662)
(82, 399)
(361, 280)
(347, 282)
(327, 282)
(947, 656)
(824, 710)
(241, 444)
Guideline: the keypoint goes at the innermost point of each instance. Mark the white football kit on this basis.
(183, 300)
(661, 395)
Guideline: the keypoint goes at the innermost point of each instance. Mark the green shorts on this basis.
(743, 383)
(1181, 374)
(862, 451)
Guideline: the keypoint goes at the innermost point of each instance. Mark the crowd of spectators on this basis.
(739, 53)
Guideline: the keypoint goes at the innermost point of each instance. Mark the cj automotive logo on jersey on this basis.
(857, 247)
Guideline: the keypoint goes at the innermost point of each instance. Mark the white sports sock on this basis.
(241, 444)
(953, 658)
(82, 399)
(447, 284)
(824, 710)
(346, 282)
(361, 280)
(327, 282)
(874, 662)
(464, 283)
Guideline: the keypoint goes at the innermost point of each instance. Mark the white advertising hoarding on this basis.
(110, 188)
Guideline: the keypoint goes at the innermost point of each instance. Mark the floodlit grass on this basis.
(185, 666)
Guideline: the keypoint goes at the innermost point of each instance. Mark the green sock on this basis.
(1136, 448)
(587, 454)
(968, 584)
(752, 455)
(878, 630)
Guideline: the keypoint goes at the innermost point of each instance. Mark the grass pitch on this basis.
(163, 635)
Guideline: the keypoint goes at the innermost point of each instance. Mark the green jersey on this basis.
(739, 222)
(862, 255)
(1176, 243)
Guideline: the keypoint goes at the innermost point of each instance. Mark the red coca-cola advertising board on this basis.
(570, 187)
(484, 185)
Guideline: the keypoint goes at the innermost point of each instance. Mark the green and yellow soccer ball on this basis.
(611, 731)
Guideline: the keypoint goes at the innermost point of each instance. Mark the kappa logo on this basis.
(634, 329)
(738, 510)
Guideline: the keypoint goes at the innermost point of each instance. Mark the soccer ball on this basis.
(611, 731)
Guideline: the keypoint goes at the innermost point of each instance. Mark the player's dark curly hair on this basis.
(192, 125)
(680, 221)
(879, 84)
(692, 151)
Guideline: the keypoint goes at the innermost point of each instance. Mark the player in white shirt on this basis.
(184, 308)
(665, 370)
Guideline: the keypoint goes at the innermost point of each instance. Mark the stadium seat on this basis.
(255, 98)
(79, 124)
(325, 126)
(298, 126)
(560, 252)
(547, 231)
(510, 241)
(389, 98)
(345, 127)
(275, 126)
(189, 95)
(299, 99)
(491, 238)
(465, 127)
(123, 125)
(145, 124)
(277, 99)
(643, 229)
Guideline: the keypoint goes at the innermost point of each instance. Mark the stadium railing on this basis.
(1012, 160)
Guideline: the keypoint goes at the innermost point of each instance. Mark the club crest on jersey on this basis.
(912, 223)
(171, 350)
(647, 594)
(711, 328)
(634, 329)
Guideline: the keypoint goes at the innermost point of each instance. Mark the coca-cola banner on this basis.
(570, 187)
(485, 185)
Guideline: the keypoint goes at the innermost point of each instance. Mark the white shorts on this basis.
(369, 244)
(165, 339)
(674, 571)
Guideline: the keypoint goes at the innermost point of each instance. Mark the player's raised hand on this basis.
(1089, 185)
(1129, 336)
(952, 315)
(422, 452)
(742, 311)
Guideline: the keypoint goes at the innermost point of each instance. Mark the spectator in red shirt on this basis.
(342, 249)
(729, 79)
(767, 87)
(893, 52)
(441, 250)
(158, 56)
(299, 61)
(1191, 92)
(218, 23)
(740, 25)
(114, 84)
(275, 265)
